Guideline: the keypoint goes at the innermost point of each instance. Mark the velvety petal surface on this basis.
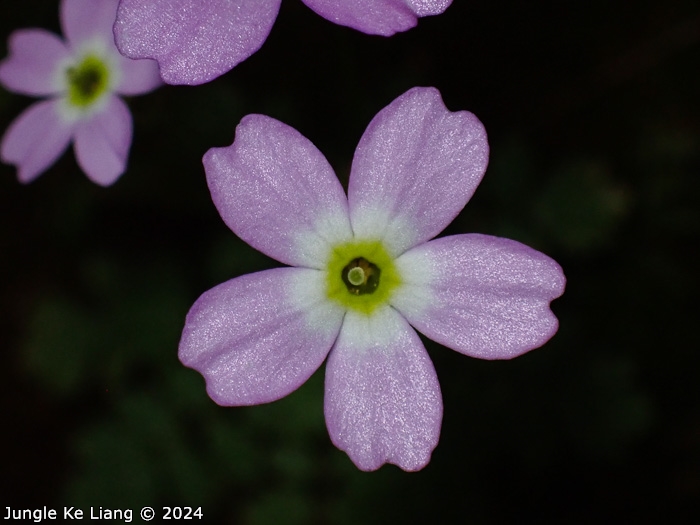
(83, 20)
(383, 401)
(428, 7)
(258, 337)
(415, 168)
(33, 65)
(377, 17)
(483, 296)
(35, 139)
(102, 142)
(193, 42)
(278, 193)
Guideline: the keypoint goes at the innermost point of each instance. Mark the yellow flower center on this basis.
(87, 81)
(361, 276)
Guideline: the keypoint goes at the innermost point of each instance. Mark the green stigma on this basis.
(87, 81)
(361, 276)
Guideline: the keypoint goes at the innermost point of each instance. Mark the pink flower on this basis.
(363, 270)
(82, 77)
(195, 41)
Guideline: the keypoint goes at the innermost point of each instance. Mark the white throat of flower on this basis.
(87, 79)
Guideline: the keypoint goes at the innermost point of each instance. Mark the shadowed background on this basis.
(593, 119)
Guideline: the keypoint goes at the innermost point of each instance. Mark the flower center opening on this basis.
(361, 276)
(353, 275)
(87, 81)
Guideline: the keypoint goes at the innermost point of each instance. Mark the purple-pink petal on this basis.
(483, 296)
(193, 42)
(35, 139)
(32, 67)
(83, 20)
(278, 193)
(258, 337)
(383, 401)
(415, 168)
(137, 76)
(102, 142)
(377, 17)
(428, 7)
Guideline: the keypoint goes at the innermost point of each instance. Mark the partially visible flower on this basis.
(195, 41)
(82, 76)
(363, 270)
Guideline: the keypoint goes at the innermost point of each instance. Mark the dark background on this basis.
(592, 113)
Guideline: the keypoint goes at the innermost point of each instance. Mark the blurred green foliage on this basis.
(593, 118)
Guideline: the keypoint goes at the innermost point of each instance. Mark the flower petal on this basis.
(482, 296)
(377, 17)
(428, 7)
(193, 42)
(415, 168)
(258, 337)
(34, 64)
(102, 142)
(383, 401)
(137, 76)
(278, 193)
(83, 20)
(35, 139)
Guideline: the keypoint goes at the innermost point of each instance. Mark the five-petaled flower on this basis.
(363, 270)
(195, 41)
(82, 77)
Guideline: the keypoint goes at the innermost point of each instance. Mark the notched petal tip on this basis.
(377, 17)
(33, 65)
(277, 192)
(258, 337)
(193, 42)
(483, 296)
(383, 401)
(415, 168)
